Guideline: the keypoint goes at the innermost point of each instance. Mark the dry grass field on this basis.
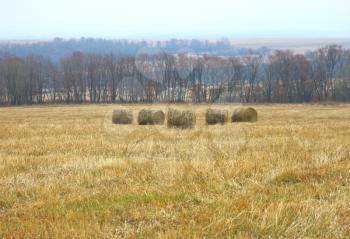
(68, 172)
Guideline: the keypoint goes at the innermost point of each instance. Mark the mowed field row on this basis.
(68, 172)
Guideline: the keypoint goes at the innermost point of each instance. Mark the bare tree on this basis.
(282, 76)
(252, 64)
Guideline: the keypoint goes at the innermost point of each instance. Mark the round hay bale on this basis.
(181, 119)
(150, 117)
(216, 116)
(122, 116)
(247, 114)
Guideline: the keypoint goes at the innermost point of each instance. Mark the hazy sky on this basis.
(33, 19)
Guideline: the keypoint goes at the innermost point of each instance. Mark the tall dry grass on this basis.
(68, 172)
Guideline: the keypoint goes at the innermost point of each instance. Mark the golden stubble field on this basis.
(67, 172)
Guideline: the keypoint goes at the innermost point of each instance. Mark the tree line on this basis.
(281, 76)
(59, 48)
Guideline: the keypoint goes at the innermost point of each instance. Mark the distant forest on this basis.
(58, 48)
(104, 71)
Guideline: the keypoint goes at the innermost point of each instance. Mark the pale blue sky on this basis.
(40, 19)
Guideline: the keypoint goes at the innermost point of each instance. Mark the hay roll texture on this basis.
(246, 114)
(181, 119)
(150, 117)
(216, 116)
(122, 116)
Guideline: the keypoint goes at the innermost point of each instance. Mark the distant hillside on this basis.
(58, 48)
(299, 45)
